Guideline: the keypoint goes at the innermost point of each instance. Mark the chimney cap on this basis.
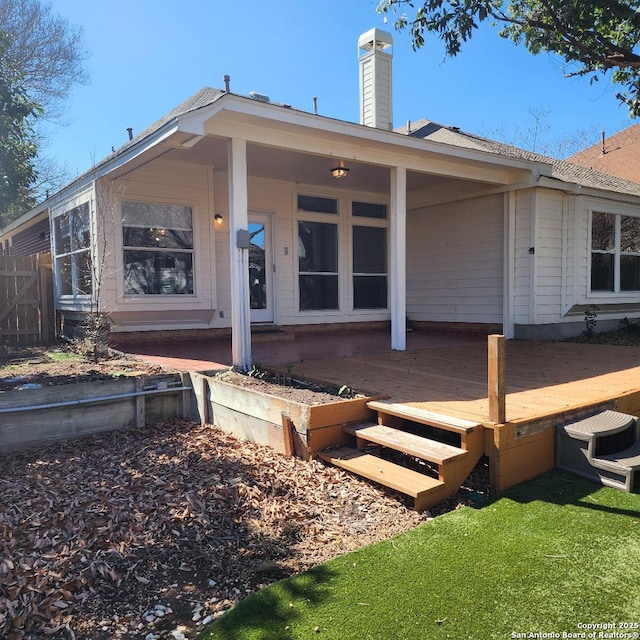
(375, 39)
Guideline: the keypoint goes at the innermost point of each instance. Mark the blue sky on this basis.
(146, 57)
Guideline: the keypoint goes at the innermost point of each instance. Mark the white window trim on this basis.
(364, 221)
(324, 218)
(345, 221)
(74, 297)
(606, 296)
(143, 301)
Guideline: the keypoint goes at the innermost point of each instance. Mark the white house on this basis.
(233, 210)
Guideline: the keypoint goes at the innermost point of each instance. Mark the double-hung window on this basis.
(615, 252)
(73, 252)
(158, 248)
(318, 255)
(369, 233)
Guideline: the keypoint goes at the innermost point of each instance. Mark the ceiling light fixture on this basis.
(340, 172)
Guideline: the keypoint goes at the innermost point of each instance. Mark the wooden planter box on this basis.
(275, 421)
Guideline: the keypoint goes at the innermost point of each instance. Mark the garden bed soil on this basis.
(24, 368)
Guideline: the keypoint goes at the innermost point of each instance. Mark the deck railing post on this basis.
(497, 374)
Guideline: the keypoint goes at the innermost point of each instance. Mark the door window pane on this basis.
(257, 266)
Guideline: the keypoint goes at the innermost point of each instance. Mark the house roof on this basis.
(203, 98)
(561, 170)
(618, 155)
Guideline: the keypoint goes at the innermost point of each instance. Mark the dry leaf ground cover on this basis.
(150, 533)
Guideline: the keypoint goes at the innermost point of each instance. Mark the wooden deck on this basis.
(547, 384)
(542, 377)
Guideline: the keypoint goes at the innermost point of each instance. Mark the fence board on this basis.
(23, 289)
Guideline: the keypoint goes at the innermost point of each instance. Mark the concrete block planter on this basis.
(36, 416)
(285, 425)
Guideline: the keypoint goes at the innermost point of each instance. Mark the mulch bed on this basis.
(151, 533)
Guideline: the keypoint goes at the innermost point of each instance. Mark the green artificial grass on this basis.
(546, 558)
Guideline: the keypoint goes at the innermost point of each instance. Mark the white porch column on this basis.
(398, 258)
(239, 222)
(508, 288)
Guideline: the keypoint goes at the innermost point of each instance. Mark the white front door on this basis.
(260, 268)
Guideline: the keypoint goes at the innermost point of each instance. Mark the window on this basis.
(629, 253)
(318, 265)
(369, 210)
(317, 205)
(615, 252)
(369, 267)
(158, 249)
(73, 252)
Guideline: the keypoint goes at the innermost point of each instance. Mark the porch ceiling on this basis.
(304, 168)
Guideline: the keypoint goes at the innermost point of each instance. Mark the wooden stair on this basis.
(454, 463)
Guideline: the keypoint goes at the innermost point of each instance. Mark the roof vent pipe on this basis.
(227, 80)
(315, 105)
(130, 132)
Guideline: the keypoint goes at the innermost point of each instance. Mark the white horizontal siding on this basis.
(548, 256)
(522, 258)
(455, 262)
(162, 181)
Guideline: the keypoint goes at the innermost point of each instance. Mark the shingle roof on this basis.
(558, 169)
(203, 98)
(618, 155)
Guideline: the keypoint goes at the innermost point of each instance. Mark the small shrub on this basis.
(630, 325)
(590, 320)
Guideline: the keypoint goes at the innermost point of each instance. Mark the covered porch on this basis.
(416, 229)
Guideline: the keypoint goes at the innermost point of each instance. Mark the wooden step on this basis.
(411, 483)
(413, 445)
(430, 418)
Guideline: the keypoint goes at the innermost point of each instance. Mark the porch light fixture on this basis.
(218, 219)
(339, 172)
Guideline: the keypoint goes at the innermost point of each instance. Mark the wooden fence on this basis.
(26, 300)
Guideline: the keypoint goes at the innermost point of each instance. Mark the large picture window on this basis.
(318, 265)
(158, 249)
(72, 246)
(615, 252)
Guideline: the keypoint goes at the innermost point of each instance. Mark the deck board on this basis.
(542, 377)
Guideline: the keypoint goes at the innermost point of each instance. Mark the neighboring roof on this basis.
(560, 169)
(618, 155)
